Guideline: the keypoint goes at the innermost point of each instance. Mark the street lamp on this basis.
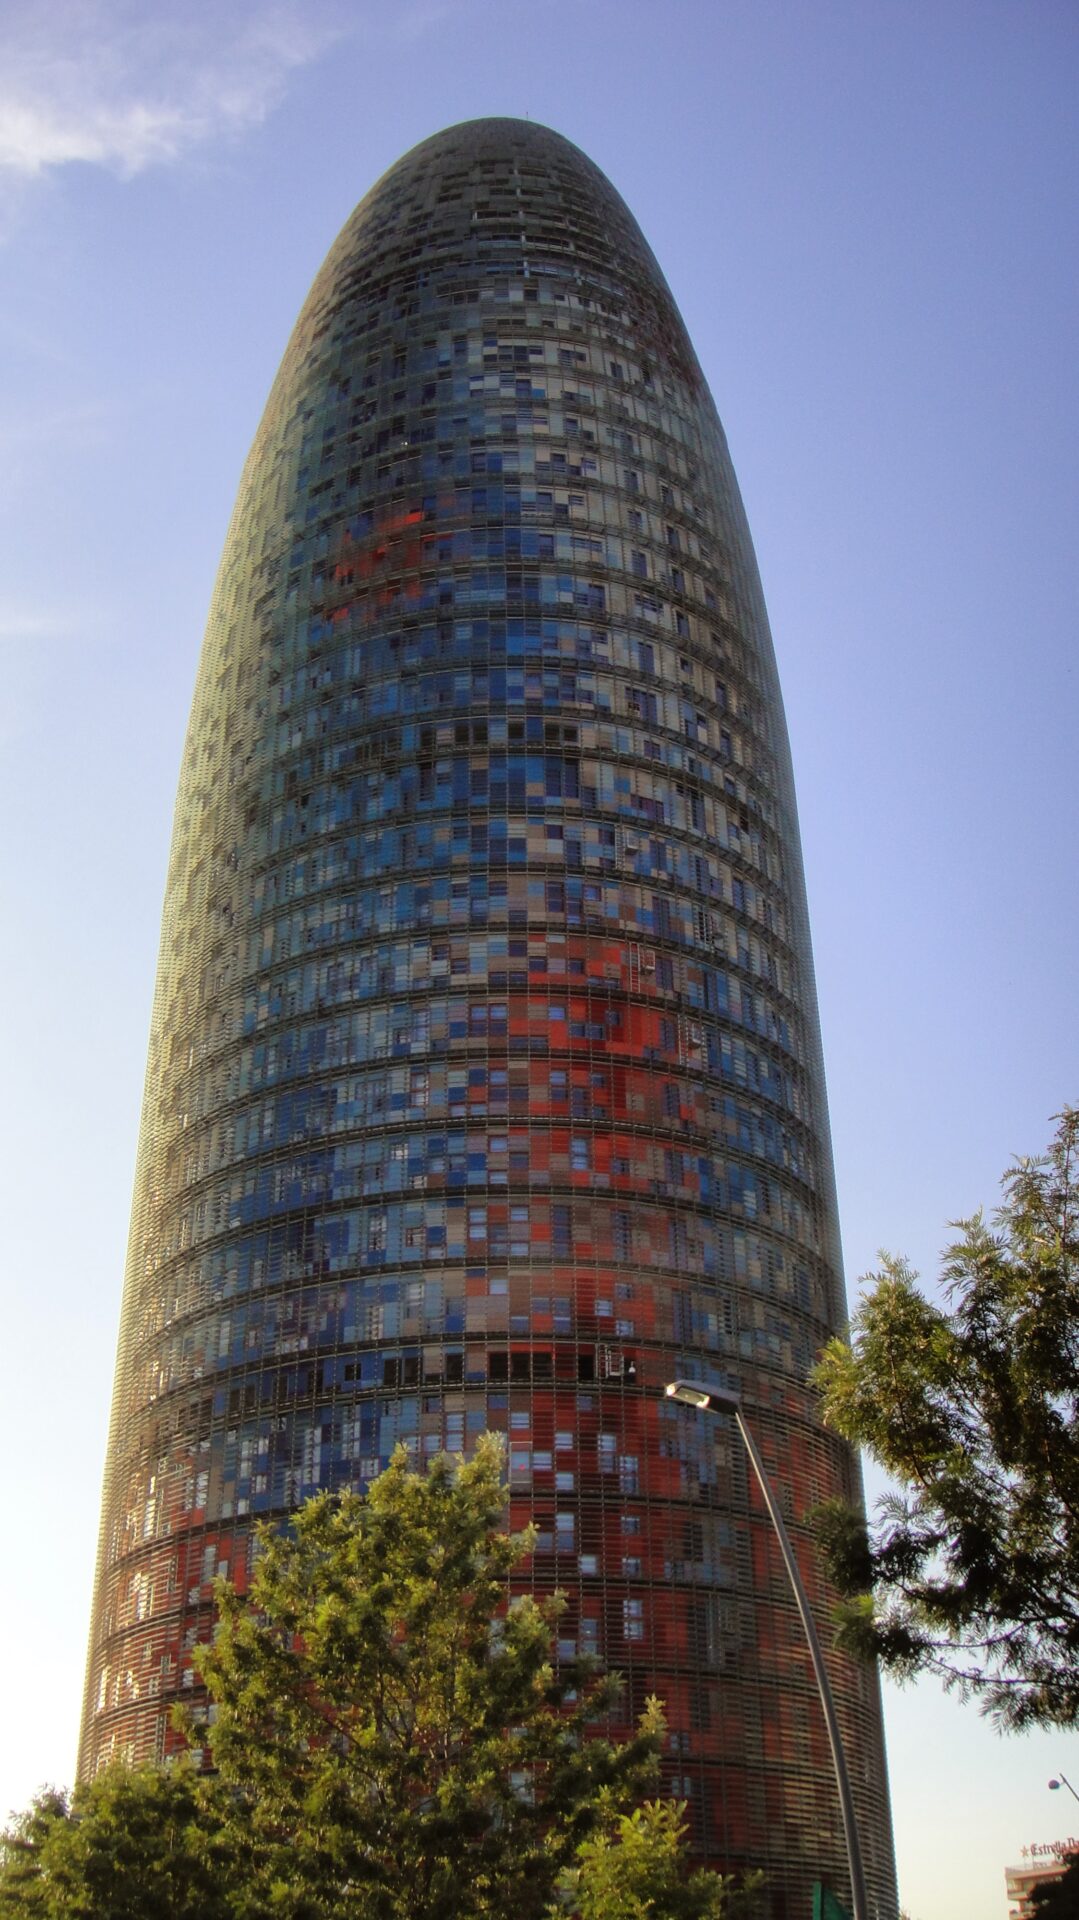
(1064, 1782)
(691, 1393)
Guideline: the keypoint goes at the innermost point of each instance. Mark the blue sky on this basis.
(866, 211)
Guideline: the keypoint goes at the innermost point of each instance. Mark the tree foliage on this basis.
(135, 1843)
(1058, 1899)
(971, 1569)
(390, 1741)
(394, 1737)
(633, 1868)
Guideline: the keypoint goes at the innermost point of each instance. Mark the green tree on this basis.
(390, 1741)
(634, 1868)
(23, 1853)
(971, 1568)
(393, 1737)
(130, 1845)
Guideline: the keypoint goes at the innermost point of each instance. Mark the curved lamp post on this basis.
(721, 1400)
(1055, 1784)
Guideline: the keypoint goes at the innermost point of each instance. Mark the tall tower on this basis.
(484, 1085)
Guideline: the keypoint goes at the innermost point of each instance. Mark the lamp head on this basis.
(691, 1393)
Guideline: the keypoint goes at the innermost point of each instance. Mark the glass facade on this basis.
(484, 1086)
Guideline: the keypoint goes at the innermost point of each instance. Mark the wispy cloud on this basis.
(127, 86)
(22, 625)
(33, 436)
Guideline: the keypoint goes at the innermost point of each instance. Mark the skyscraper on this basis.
(484, 1086)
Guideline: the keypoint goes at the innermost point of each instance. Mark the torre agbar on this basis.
(484, 1085)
